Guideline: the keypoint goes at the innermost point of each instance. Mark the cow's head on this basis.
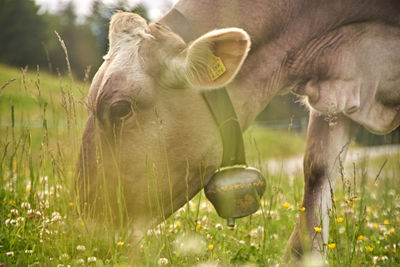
(150, 140)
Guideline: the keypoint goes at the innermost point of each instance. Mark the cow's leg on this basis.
(327, 142)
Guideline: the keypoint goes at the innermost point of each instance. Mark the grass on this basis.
(40, 223)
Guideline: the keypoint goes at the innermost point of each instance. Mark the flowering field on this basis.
(41, 121)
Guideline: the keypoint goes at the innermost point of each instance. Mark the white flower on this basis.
(28, 251)
(80, 261)
(219, 226)
(10, 253)
(80, 248)
(25, 205)
(55, 216)
(7, 222)
(162, 261)
(14, 212)
(91, 259)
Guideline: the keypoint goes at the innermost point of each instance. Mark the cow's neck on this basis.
(274, 33)
(258, 80)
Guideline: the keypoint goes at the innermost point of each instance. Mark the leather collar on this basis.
(218, 102)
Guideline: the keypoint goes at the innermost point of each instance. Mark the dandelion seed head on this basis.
(162, 261)
(189, 244)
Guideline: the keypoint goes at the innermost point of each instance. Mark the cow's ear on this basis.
(215, 58)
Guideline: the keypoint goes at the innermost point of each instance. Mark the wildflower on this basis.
(391, 230)
(317, 229)
(394, 250)
(80, 248)
(120, 243)
(340, 220)
(55, 216)
(10, 253)
(210, 247)
(80, 261)
(386, 221)
(331, 245)
(71, 204)
(28, 188)
(177, 224)
(286, 205)
(369, 248)
(360, 237)
(14, 212)
(298, 203)
(91, 259)
(198, 227)
(28, 251)
(242, 242)
(12, 202)
(253, 244)
(25, 205)
(64, 256)
(162, 261)
(302, 209)
(219, 226)
(82, 223)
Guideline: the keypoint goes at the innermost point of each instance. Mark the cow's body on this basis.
(343, 56)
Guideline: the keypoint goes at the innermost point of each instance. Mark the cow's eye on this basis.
(120, 110)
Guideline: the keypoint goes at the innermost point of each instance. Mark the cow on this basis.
(151, 142)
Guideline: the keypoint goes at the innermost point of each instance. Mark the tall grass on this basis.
(41, 123)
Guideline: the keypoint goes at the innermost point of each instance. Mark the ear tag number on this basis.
(216, 67)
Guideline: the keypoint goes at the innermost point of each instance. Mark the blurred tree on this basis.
(22, 32)
(83, 49)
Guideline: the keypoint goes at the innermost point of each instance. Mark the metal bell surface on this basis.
(235, 191)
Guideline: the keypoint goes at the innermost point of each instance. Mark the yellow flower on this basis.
(198, 227)
(28, 188)
(177, 224)
(120, 243)
(71, 204)
(317, 229)
(375, 225)
(286, 205)
(298, 203)
(12, 202)
(355, 198)
(385, 235)
(302, 209)
(210, 247)
(369, 248)
(340, 220)
(360, 237)
(394, 250)
(391, 230)
(82, 223)
(386, 221)
(331, 245)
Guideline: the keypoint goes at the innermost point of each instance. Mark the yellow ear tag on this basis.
(216, 67)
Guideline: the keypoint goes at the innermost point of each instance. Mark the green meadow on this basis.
(42, 118)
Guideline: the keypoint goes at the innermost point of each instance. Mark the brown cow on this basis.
(158, 143)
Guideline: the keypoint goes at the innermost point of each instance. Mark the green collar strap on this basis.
(224, 115)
